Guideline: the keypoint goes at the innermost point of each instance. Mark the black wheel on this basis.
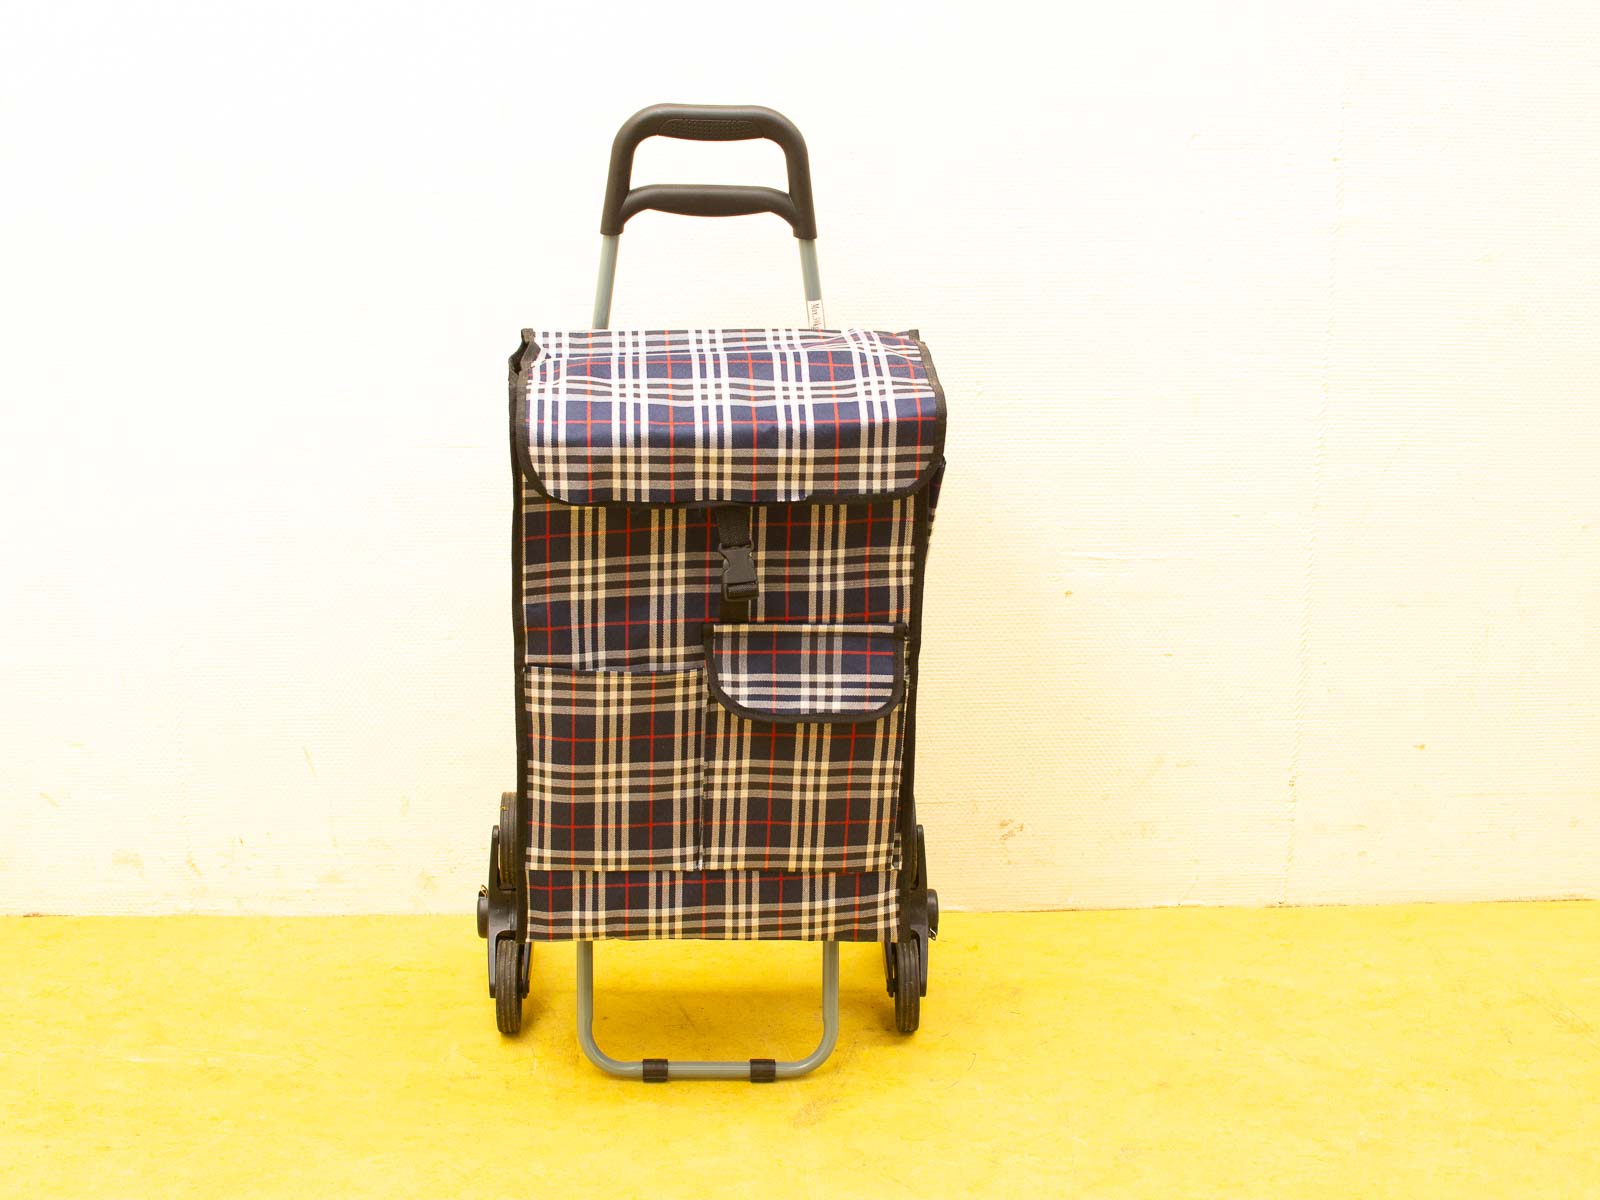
(508, 838)
(507, 988)
(908, 985)
(888, 967)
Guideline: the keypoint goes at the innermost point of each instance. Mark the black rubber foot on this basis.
(507, 988)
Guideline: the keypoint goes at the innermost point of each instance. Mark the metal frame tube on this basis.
(725, 1069)
(605, 281)
(812, 281)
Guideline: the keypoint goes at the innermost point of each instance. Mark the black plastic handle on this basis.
(709, 123)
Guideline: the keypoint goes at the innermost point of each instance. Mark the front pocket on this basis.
(804, 740)
(614, 768)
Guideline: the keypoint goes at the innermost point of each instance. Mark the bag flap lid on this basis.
(739, 416)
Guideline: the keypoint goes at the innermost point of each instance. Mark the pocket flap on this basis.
(807, 673)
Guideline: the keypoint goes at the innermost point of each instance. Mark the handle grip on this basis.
(709, 123)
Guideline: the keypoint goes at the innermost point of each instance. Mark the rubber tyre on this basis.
(507, 866)
(888, 967)
(908, 985)
(507, 988)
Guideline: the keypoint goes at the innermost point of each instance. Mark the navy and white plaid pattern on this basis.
(656, 810)
(628, 587)
(614, 767)
(753, 416)
(801, 797)
(807, 671)
(770, 905)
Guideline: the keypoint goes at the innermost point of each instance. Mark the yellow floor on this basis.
(1418, 1051)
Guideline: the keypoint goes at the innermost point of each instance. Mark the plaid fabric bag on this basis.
(719, 546)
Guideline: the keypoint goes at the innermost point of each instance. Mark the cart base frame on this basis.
(756, 1070)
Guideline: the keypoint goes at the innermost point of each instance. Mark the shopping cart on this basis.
(719, 547)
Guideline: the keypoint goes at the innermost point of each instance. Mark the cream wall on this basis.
(1266, 569)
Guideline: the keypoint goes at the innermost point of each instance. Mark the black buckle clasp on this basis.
(738, 573)
(739, 583)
